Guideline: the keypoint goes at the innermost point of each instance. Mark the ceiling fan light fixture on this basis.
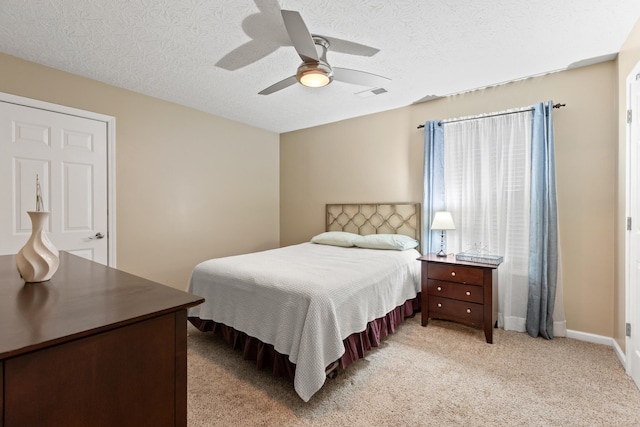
(314, 75)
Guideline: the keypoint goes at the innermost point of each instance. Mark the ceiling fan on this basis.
(315, 71)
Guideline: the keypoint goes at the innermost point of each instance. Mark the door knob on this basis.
(98, 235)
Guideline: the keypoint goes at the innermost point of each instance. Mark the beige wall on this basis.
(628, 57)
(189, 185)
(379, 158)
(360, 160)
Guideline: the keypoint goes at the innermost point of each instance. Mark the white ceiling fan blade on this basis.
(300, 36)
(279, 86)
(351, 48)
(357, 77)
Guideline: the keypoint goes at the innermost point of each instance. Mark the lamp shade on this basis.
(443, 221)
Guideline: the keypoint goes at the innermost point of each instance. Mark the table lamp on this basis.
(442, 221)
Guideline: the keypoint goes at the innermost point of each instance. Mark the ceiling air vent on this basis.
(371, 92)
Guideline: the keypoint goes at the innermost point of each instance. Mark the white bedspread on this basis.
(305, 299)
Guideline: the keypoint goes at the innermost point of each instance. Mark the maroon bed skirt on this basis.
(355, 345)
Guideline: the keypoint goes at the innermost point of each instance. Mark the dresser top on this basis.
(82, 298)
(451, 259)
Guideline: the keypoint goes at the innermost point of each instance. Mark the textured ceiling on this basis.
(216, 55)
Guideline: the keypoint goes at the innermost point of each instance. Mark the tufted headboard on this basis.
(375, 218)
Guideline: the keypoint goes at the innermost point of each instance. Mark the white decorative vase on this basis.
(38, 259)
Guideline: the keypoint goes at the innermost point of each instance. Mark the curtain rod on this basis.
(489, 115)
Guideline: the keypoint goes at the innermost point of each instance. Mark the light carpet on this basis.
(440, 375)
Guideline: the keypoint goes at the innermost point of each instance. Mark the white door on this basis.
(68, 153)
(633, 251)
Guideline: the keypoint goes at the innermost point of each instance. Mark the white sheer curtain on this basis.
(487, 189)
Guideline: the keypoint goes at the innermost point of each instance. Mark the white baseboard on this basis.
(599, 339)
(585, 336)
(622, 357)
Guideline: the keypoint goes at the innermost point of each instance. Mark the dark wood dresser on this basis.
(460, 291)
(94, 346)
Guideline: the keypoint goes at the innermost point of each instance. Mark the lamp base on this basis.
(442, 253)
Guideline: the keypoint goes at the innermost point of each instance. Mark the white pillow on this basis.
(336, 238)
(398, 242)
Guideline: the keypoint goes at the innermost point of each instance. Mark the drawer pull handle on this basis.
(439, 288)
(453, 273)
(468, 293)
(439, 305)
(468, 310)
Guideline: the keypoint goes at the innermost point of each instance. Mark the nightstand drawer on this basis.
(456, 273)
(471, 293)
(460, 311)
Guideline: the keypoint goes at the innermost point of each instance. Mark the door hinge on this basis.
(628, 329)
(629, 223)
(629, 116)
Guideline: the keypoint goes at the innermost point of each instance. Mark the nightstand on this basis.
(460, 291)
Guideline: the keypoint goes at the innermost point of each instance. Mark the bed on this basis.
(304, 309)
